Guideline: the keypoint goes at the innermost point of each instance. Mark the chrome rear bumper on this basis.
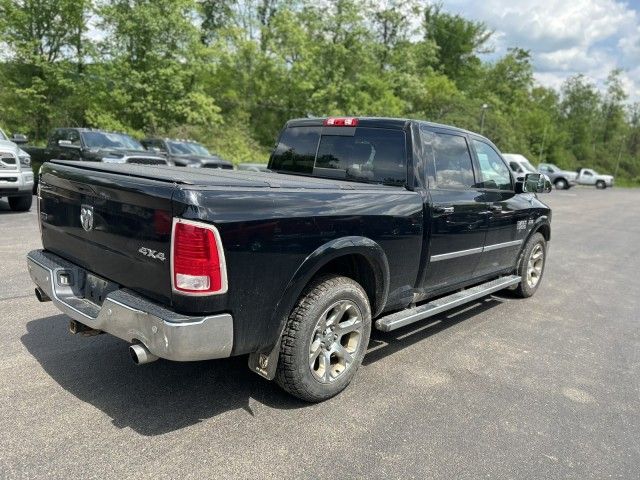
(131, 317)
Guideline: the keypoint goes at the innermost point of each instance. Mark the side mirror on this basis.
(536, 183)
(19, 139)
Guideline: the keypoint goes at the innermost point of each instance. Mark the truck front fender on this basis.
(265, 361)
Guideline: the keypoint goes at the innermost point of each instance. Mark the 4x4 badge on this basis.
(152, 253)
(86, 217)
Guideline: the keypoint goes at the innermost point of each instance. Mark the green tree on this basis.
(579, 107)
(459, 43)
(42, 75)
(152, 62)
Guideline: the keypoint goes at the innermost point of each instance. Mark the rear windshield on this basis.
(373, 155)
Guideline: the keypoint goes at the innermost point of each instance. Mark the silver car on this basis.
(562, 179)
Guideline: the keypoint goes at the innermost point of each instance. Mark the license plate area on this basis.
(96, 289)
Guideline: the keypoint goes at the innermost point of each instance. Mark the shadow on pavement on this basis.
(5, 209)
(165, 396)
(153, 399)
(383, 344)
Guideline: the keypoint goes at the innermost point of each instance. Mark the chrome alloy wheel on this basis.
(335, 341)
(535, 264)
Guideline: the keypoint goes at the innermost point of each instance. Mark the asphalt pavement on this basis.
(547, 387)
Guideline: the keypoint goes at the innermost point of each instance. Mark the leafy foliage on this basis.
(231, 72)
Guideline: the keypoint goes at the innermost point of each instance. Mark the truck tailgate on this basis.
(115, 226)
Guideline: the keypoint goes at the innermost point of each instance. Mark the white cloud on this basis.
(565, 37)
(629, 46)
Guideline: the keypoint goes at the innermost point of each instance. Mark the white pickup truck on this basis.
(588, 176)
(16, 176)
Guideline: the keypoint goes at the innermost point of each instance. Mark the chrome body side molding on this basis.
(472, 251)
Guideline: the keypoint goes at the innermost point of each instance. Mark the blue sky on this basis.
(565, 37)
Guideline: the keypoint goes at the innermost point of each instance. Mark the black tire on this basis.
(20, 204)
(600, 185)
(561, 184)
(525, 289)
(294, 372)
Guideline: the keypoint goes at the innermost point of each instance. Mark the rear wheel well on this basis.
(355, 267)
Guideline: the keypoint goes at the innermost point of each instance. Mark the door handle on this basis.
(443, 210)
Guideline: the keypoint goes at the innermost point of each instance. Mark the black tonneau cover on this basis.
(219, 177)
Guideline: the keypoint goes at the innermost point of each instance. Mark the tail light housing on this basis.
(197, 259)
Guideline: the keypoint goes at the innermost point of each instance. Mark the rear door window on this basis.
(449, 161)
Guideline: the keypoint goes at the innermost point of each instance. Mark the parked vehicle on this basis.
(253, 167)
(587, 176)
(519, 164)
(361, 223)
(561, 179)
(85, 144)
(186, 153)
(16, 178)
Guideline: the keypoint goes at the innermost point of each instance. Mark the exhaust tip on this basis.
(73, 327)
(141, 354)
(41, 296)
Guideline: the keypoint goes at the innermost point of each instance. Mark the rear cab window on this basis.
(362, 154)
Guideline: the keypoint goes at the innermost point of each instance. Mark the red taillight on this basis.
(197, 264)
(341, 122)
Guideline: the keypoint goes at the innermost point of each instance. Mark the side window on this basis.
(55, 136)
(493, 171)
(159, 144)
(515, 167)
(448, 160)
(588, 173)
(74, 137)
(296, 150)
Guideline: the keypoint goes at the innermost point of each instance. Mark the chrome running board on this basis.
(426, 310)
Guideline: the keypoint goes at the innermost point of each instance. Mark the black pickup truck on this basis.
(360, 223)
(88, 144)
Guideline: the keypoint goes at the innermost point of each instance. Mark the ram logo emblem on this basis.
(86, 217)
